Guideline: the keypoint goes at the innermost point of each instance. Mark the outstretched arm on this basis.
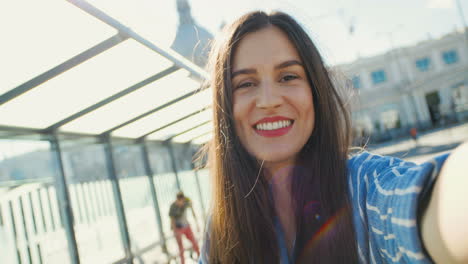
(444, 223)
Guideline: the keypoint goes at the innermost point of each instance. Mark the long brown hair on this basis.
(242, 227)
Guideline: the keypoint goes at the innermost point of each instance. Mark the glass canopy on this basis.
(78, 70)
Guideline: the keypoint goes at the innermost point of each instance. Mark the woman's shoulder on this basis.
(378, 171)
(365, 160)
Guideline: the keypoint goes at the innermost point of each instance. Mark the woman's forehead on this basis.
(267, 47)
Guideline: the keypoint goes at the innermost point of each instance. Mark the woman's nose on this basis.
(268, 96)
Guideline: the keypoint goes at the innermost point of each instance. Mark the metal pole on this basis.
(63, 199)
(154, 196)
(199, 192)
(197, 181)
(15, 231)
(169, 54)
(125, 236)
(462, 17)
(173, 163)
(25, 228)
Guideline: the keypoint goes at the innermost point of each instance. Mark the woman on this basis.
(284, 189)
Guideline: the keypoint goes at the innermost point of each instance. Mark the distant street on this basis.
(429, 144)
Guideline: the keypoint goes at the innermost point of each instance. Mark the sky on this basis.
(376, 23)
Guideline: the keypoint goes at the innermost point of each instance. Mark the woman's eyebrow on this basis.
(243, 71)
(279, 66)
(288, 63)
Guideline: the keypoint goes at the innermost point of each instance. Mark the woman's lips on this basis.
(273, 126)
(275, 132)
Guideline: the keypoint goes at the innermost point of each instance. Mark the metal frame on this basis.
(15, 230)
(51, 134)
(122, 219)
(78, 59)
(63, 198)
(197, 181)
(154, 195)
(173, 123)
(168, 145)
(167, 53)
(204, 134)
(188, 130)
(114, 97)
(124, 34)
(108, 132)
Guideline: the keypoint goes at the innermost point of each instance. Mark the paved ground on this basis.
(429, 144)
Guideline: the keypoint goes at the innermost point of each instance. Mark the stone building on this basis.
(423, 86)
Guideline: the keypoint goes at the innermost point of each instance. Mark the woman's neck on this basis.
(281, 182)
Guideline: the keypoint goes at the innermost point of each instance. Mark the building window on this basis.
(423, 64)
(450, 56)
(356, 82)
(378, 76)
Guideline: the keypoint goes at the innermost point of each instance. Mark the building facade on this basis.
(422, 86)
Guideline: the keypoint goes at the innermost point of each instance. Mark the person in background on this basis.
(180, 224)
(414, 135)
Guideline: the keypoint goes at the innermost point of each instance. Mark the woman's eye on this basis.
(289, 77)
(245, 85)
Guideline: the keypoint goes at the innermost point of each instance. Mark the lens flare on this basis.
(325, 229)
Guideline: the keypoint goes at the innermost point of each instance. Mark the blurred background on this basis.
(102, 109)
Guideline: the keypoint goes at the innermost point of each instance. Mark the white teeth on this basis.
(273, 125)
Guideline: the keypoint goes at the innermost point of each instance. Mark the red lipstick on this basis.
(275, 132)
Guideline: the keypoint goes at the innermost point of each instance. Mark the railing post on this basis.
(15, 230)
(63, 199)
(125, 236)
(149, 172)
(174, 166)
(197, 181)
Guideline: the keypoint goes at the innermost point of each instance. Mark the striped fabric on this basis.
(385, 193)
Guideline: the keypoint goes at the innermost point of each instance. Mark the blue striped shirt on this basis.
(386, 193)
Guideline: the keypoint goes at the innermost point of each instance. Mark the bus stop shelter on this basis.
(108, 86)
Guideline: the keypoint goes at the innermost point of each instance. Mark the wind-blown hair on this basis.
(242, 227)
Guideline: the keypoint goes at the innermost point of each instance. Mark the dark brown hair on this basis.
(242, 227)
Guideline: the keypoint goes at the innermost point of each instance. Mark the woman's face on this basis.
(273, 107)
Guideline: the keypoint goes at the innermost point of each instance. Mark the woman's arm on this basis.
(444, 224)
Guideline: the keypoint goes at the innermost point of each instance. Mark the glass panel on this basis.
(167, 115)
(135, 103)
(82, 86)
(202, 139)
(190, 188)
(37, 42)
(205, 186)
(183, 125)
(189, 135)
(31, 230)
(136, 195)
(91, 195)
(164, 181)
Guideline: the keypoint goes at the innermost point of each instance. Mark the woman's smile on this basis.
(274, 126)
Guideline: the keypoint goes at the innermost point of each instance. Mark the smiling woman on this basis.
(284, 187)
(273, 106)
